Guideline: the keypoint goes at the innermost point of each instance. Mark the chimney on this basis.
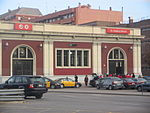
(89, 6)
(79, 4)
(130, 20)
(68, 7)
(110, 8)
(9, 10)
(122, 9)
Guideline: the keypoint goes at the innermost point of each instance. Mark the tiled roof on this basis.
(29, 11)
(21, 11)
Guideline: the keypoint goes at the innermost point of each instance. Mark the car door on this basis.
(10, 83)
(20, 82)
(146, 86)
(105, 83)
(65, 82)
(71, 83)
(101, 83)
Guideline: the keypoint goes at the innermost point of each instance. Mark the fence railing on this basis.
(12, 94)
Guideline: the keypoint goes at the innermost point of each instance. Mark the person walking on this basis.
(76, 78)
(86, 79)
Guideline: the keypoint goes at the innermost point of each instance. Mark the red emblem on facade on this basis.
(21, 26)
(117, 31)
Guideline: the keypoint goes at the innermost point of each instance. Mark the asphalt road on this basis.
(53, 102)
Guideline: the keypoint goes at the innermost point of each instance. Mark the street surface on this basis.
(93, 90)
(54, 102)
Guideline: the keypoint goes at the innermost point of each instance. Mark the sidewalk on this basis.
(93, 90)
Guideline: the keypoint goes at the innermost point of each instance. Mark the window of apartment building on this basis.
(71, 15)
(47, 21)
(146, 29)
(72, 58)
(65, 16)
(19, 18)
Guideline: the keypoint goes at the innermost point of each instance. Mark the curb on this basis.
(98, 93)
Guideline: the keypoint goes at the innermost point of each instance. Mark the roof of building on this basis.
(139, 24)
(21, 11)
(80, 15)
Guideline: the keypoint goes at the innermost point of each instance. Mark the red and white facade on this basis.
(62, 50)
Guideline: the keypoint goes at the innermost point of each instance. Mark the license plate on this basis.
(40, 85)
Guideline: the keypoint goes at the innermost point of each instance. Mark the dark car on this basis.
(68, 82)
(128, 83)
(139, 80)
(52, 84)
(33, 85)
(93, 81)
(143, 87)
(109, 83)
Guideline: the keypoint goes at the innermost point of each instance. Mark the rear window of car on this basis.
(36, 80)
(147, 77)
(115, 78)
(141, 79)
(129, 80)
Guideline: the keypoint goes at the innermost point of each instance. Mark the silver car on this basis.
(110, 83)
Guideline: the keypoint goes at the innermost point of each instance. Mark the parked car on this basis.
(93, 81)
(52, 84)
(110, 83)
(139, 80)
(33, 85)
(147, 78)
(143, 87)
(68, 82)
(128, 83)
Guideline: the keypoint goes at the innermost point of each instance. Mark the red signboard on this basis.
(117, 31)
(21, 26)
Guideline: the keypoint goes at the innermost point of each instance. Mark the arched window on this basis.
(116, 62)
(22, 61)
(116, 54)
(22, 52)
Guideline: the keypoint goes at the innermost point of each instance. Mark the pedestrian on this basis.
(86, 79)
(76, 78)
(133, 75)
(66, 78)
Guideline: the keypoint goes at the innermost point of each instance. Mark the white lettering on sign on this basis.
(119, 31)
(22, 26)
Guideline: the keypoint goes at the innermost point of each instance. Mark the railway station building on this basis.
(66, 50)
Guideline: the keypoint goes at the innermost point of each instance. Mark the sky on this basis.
(137, 9)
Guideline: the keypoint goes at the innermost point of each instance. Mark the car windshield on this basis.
(134, 79)
(147, 77)
(115, 78)
(58, 80)
(36, 80)
(141, 79)
(129, 80)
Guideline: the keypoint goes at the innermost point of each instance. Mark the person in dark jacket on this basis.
(76, 78)
(86, 79)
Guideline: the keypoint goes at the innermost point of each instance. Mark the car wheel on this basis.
(98, 87)
(110, 87)
(77, 85)
(61, 86)
(139, 89)
(52, 86)
(126, 87)
(39, 96)
(25, 96)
